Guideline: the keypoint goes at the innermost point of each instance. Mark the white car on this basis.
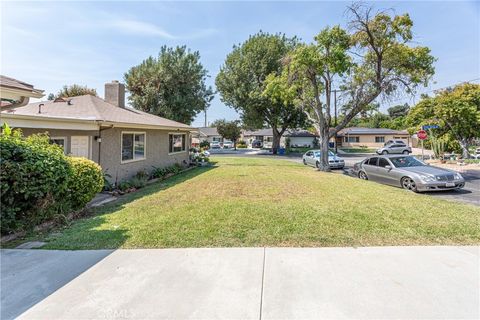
(227, 144)
(312, 158)
(215, 145)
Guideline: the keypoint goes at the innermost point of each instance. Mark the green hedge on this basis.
(38, 182)
(85, 182)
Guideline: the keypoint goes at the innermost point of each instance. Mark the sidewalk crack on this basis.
(263, 283)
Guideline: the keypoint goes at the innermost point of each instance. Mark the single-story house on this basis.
(122, 140)
(209, 134)
(264, 135)
(370, 137)
(300, 138)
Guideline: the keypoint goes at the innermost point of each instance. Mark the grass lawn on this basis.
(266, 202)
(358, 150)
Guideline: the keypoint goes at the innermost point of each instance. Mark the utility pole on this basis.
(205, 124)
(335, 121)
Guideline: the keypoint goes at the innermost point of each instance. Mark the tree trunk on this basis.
(324, 166)
(464, 146)
(275, 141)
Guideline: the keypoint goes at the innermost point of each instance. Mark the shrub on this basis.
(138, 182)
(241, 144)
(34, 177)
(205, 144)
(85, 182)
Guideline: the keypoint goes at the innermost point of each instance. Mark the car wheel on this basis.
(405, 152)
(409, 184)
(317, 165)
(304, 162)
(384, 152)
(362, 175)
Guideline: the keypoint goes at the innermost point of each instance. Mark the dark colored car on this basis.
(257, 144)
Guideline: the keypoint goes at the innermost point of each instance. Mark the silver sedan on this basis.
(409, 173)
(312, 158)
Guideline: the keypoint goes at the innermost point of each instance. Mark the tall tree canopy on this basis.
(73, 90)
(241, 82)
(397, 111)
(230, 130)
(456, 111)
(373, 60)
(170, 86)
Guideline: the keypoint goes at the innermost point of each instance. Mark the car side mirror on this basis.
(388, 167)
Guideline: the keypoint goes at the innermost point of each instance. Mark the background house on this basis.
(370, 137)
(122, 140)
(264, 135)
(209, 134)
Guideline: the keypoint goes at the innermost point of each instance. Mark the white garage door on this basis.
(80, 146)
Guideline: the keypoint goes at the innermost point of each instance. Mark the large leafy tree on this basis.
(171, 86)
(455, 110)
(398, 111)
(73, 90)
(373, 60)
(241, 82)
(230, 130)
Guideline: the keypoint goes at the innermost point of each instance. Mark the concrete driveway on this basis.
(242, 283)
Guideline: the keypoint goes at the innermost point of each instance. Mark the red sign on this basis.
(422, 134)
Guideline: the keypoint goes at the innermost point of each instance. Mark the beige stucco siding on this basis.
(369, 140)
(156, 153)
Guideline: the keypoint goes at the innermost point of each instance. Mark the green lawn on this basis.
(358, 150)
(264, 202)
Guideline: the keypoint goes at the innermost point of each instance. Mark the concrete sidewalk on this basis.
(242, 283)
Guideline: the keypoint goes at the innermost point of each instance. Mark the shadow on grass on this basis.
(86, 233)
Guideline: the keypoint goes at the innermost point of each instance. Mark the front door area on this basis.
(80, 146)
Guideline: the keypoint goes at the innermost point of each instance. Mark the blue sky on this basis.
(50, 44)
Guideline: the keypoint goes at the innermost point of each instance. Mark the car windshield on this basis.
(330, 154)
(409, 161)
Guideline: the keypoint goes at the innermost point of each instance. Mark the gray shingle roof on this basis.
(208, 131)
(88, 107)
(260, 132)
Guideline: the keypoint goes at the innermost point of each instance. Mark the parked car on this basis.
(215, 145)
(389, 142)
(257, 144)
(312, 158)
(227, 144)
(408, 172)
(395, 148)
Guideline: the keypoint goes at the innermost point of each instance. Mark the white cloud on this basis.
(139, 28)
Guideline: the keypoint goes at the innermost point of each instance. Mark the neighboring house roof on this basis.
(8, 85)
(299, 133)
(90, 108)
(369, 131)
(260, 132)
(208, 131)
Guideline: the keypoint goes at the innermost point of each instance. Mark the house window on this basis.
(59, 141)
(268, 139)
(216, 139)
(133, 146)
(379, 139)
(352, 139)
(176, 143)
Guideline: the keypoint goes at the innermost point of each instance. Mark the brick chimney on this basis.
(115, 93)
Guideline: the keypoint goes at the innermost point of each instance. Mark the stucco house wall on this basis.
(369, 140)
(301, 141)
(108, 152)
(156, 152)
